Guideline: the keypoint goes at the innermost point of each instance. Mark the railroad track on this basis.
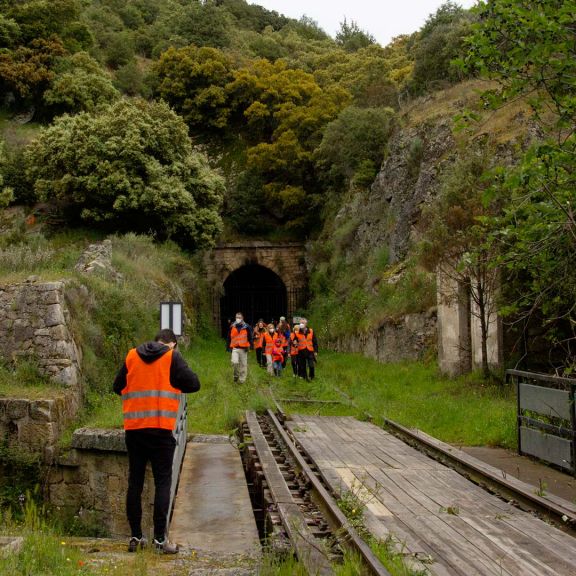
(293, 501)
(300, 509)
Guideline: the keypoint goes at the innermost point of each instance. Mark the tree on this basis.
(358, 135)
(351, 37)
(536, 240)
(528, 47)
(193, 80)
(82, 85)
(47, 19)
(27, 71)
(455, 231)
(129, 167)
(441, 41)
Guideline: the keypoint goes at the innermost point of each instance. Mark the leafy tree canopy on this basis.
(528, 47)
(351, 37)
(129, 167)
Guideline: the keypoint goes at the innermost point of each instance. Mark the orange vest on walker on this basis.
(149, 400)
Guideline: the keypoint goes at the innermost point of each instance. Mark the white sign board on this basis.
(172, 317)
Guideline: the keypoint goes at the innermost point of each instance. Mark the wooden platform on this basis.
(439, 517)
(212, 511)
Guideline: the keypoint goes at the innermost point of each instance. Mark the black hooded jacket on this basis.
(181, 377)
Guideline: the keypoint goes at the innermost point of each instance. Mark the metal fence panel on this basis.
(547, 447)
(181, 435)
(546, 418)
(545, 401)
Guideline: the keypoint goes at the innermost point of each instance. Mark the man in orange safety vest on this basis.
(151, 382)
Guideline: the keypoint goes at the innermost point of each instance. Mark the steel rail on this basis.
(324, 500)
(560, 511)
(313, 558)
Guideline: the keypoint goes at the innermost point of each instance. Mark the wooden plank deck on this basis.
(212, 510)
(430, 510)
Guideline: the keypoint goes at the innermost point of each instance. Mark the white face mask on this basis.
(271, 331)
(238, 320)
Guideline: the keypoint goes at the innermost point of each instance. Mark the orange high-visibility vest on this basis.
(301, 342)
(269, 342)
(149, 400)
(258, 340)
(239, 338)
(309, 342)
(294, 344)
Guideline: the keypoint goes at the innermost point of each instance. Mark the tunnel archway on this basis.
(257, 292)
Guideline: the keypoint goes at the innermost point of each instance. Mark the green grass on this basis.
(24, 381)
(464, 411)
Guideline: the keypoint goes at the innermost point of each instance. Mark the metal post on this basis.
(573, 415)
(518, 414)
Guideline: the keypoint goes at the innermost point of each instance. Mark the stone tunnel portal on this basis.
(257, 292)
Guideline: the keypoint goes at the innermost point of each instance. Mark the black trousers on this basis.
(295, 366)
(306, 362)
(156, 446)
(260, 357)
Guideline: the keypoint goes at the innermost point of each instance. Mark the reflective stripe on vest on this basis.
(269, 341)
(301, 342)
(239, 338)
(149, 400)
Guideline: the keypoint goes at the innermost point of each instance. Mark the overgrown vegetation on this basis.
(256, 88)
(534, 232)
(465, 411)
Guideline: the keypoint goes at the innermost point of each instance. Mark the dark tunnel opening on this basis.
(255, 291)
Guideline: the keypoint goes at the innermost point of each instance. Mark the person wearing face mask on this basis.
(294, 351)
(268, 342)
(307, 351)
(239, 341)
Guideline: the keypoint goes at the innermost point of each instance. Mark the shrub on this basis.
(356, 138)
(131, 167)
(82, 85)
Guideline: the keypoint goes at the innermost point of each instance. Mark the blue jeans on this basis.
(278, 368)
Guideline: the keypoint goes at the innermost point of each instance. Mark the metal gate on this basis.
(181, 435)
(546, 417)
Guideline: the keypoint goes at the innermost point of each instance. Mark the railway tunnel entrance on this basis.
(257, 292)
(260, 279)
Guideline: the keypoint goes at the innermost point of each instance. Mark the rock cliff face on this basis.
(409, 177)
(382, 222)
(422, 148)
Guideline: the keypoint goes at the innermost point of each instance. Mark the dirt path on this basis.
(528, 470)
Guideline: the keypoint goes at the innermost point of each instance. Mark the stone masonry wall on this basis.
(92, 479)
(407, 339)
(34, 324)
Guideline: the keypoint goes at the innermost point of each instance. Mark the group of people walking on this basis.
(274, 344)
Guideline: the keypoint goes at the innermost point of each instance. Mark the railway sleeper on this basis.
(283, 493)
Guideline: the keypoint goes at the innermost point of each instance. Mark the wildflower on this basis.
(63, 543)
